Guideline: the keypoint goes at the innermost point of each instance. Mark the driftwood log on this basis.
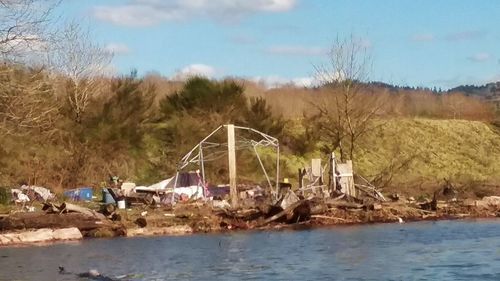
(37, 220)
(63, 216)
(286, 211)
(68, 207)
(343, 204)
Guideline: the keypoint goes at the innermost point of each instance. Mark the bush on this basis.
(5, 196)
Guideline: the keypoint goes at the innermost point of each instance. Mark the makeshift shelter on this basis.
(209, 149)
(341, 180)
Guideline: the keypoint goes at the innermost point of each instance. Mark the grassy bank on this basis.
(414, 156)
(422, 152)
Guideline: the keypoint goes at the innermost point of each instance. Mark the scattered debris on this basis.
(327, 194)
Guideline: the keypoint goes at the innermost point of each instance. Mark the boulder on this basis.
(71, 233)
(169, 230)
(40, 235)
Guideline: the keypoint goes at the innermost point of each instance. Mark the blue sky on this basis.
(429, 43)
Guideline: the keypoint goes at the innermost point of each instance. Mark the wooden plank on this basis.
(231, 151)
(367, 192)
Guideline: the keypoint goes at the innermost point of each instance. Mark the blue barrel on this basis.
(72, 194)
(79, 194)
(106, 197)
(85, 193)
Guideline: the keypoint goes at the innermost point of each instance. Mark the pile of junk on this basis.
(190, 184)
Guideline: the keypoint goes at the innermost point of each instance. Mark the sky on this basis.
(424, 43)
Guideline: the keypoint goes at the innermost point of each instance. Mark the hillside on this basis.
(488, 91)
(466, 152)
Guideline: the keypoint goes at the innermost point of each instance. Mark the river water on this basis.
(444, 250)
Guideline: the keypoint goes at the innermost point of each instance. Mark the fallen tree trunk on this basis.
(284, 212)
(86, 224)
(68, 207)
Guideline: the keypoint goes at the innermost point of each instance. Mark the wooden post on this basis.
(333, 174)
(231, 151)
(202, 166)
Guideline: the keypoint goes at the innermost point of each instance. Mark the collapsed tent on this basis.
(194, 185)
(189, 184)
(212, 148)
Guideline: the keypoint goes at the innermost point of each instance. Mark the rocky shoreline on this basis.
(26, 228)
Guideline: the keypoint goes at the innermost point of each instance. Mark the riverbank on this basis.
(204, 217)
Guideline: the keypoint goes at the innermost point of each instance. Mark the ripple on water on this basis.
(457, 250)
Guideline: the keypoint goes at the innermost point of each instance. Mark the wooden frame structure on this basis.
(198, 156)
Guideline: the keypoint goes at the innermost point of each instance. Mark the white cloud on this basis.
(270, 81)
(296, 50)
(274, 81)
(480, 57)
(152, 12)
(425, 37)
(28, 49)
(305, 82)
(195, 70)
(117, 48)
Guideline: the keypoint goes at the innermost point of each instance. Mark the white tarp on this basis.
(155, 187)
(192, 191)
(42, 192)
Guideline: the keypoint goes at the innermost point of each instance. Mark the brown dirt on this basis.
(202, 218)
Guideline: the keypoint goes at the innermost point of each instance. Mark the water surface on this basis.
(445, 250)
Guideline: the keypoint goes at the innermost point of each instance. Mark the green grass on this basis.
(465, 152)
(454, 149)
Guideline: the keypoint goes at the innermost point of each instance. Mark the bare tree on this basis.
(454, 103)
(27, 101)
(83, 63)
(347, 111)
(24, 25)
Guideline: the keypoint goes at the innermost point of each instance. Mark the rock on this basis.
(469, 202)
(493, 201)
(170, 230)
(481, 204)
(394, 197)
(220, 204)
(141, 222)
(441, 205)
(9, 239)
(40, 235)
(71, 233)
